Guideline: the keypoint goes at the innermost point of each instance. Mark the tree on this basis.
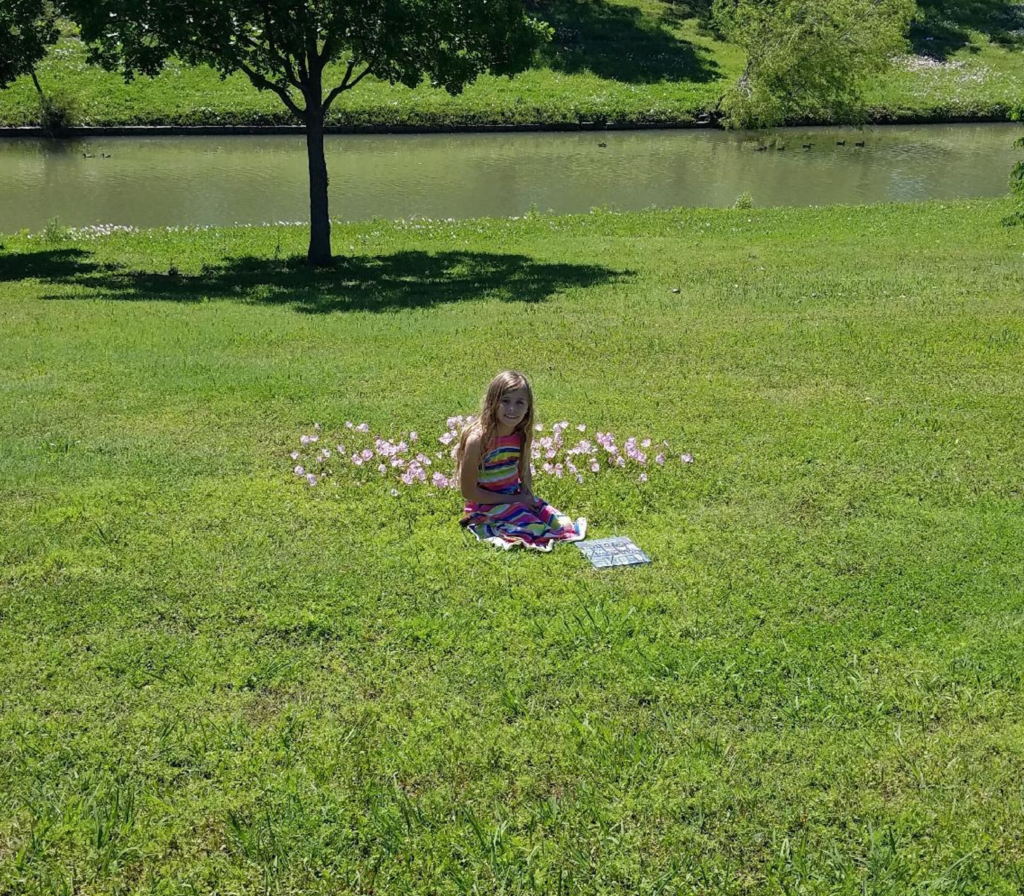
(285, 46)
(808, 59)
(27, 29)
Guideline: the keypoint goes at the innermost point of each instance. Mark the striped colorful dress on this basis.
(515, 523)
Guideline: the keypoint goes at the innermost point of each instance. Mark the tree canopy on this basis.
(27, 29)
(285, 46)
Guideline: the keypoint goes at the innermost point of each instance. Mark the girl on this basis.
(493, 460)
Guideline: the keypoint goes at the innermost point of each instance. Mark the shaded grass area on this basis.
(403, 280)
(943, 28)
(621, 42)
(217, 679)
(630, 62)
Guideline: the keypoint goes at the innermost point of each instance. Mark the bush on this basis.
(57, 112)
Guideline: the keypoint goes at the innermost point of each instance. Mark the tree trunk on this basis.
(35, 81)
(319, 254)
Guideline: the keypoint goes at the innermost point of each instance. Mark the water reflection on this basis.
(161, 181)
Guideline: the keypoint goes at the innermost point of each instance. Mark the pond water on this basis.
(164, 181)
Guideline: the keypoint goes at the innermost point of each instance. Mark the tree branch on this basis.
(362, 75)
(345, 84)
(330, 45)
(35, 80)
(260, 81)
(289, 72)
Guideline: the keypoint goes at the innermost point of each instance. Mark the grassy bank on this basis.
(217, 679)
(645, 62)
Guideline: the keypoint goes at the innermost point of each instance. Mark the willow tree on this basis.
(808, 59)
(290, 47)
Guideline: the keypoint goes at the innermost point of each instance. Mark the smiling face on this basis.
(513, 406)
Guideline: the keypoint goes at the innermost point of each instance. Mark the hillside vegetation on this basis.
(630, 62)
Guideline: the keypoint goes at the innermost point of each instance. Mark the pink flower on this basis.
(341, 449)
(558, 471)
(440, 480)
(394, 493)
(539, 427)
(294, 455)
(316, 426)
(348, 424)
(311, 479)
(686, 458)
(620, 461)
(446, 438)
(363, 427)
(660, 460)
(646, 443)
(367, 454)
(357, 460)
(595, 467)
(582, 427)
(407, 478)
(326, 452)
(579, 478)
(547, 468)
(414, 436)
(304, 440)
(300, 471)
(643, 477)
(381, 468)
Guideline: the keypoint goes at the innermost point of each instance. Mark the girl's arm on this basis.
(467, 477)
(526, 478)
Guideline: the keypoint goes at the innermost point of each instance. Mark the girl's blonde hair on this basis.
(486, 423)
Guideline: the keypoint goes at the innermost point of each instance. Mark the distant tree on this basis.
(808, 58)
(27, 30)
(285, 46)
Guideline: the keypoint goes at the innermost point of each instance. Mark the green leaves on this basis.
(808, 59)
(285, 45)
(27, 29)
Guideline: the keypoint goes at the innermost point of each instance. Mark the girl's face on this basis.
(513, 406)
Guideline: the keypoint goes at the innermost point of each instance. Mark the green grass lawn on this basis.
(215, 679)
(644, 62)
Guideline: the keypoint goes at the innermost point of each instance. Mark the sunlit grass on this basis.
(217, 679)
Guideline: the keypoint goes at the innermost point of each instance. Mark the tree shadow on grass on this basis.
(944, 26)
(47, 264)
(619, 43)
(403, 280)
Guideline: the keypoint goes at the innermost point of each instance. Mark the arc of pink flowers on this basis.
(553, 454)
